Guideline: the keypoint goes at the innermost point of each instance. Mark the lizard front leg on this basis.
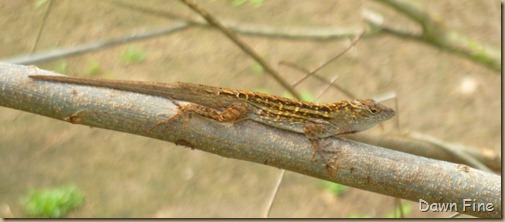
(311, 130)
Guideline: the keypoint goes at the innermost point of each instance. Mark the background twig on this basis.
(436, 33)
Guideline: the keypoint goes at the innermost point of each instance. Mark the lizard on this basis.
(314, 120)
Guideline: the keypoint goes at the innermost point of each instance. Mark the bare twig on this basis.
(422, 147)
(452, 149)
(248, 50)
(353, 43)
(41, 27)
(84, 48)
(455, 215)
(271, 199)
(313, 73)
(398, 203)
(327, 82)
(286, 32)
(436, 33)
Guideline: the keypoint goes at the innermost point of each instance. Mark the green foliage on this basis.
(358, 216)
(262, 90)
(93, 68)
(54, 203)
(406, 207)
(306, 96)
(482, 55)
(287, 95)
(256, 68)
(132, 56)
(61, 67)
(255, 3)
(335, 188)
(38, 3)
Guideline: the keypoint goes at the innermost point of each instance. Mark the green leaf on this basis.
(262, 90)
(256, 68)
(61, 67)
(239, 2)
(132, 55)
(353, 215)
(38, 3)
(93, 68)
(53, 202)
(407, 208)
(287, 95)
(306, 96)
(335, 188)
(257, 3)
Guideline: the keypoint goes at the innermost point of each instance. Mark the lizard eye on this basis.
(374, 110)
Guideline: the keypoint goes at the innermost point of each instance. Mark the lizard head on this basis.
(357, 115)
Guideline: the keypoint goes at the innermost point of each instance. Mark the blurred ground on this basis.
(123, 175)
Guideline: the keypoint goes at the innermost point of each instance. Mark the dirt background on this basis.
(125, 175)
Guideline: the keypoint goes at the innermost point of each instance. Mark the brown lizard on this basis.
(229, 105)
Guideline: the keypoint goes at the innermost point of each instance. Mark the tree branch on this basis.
(310, 33)
(93, 46)
(408, 143)
(358, 165)
(286, 32)
(436, 33)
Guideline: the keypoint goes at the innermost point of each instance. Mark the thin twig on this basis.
(422, 147)
(313, 72)
(327, 82)
(271, 199)
(295, 33)
(333, 82)
(398, 203)
(436, 33)
(353, 43)
(153, 12)
(93, 46)
(310, 33)
(471, 161)
(42, 25)
(455, 215)
(248, 50)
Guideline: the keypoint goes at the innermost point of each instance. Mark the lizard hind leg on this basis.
(231, 113)
(179, 112)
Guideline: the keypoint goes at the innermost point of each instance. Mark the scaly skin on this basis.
(228, 105)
